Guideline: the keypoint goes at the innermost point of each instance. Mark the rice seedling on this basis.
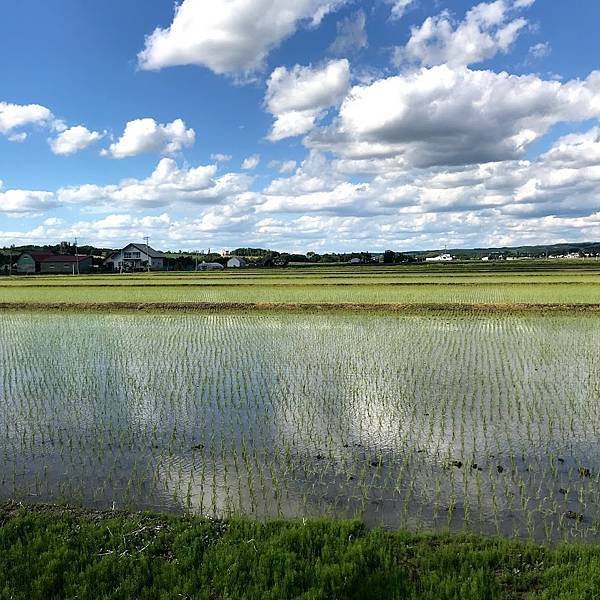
(478, 422)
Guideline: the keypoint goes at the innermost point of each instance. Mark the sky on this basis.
(300, 125)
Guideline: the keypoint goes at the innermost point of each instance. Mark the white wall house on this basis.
(135, 257)
(235, 262)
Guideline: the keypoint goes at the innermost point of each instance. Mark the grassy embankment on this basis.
(55, 553)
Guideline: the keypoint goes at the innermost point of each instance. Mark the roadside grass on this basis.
(49, 552)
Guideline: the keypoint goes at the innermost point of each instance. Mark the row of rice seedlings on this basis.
(384, 291)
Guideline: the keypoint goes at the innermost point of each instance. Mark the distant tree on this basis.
(389, 257)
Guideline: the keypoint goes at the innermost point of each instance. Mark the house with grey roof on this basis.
(136, 257)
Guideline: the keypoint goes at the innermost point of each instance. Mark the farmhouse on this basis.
(235, 262)
(135, 257)
(30, 263)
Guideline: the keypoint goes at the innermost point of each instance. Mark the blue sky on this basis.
(300, 124)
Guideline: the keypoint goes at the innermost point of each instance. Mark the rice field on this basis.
(483, 422)
(377, 286)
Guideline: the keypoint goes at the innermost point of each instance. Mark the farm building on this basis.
(210, 266)
(31, 262)
(440, 258)
(67, 264)
(135, 257)
(235, 262)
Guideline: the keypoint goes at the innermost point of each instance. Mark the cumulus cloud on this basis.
(73, 140)
(14, 116)
(287, 166)
(26, 202)
(251, 162)
(351, 34)
(146, 135)
(168, 185)
(487, 29)
(229, 36)
(553, 198)
(454, 116)
(297, 98)
(399, 7)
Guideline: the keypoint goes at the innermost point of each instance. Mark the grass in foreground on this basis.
(55, 553)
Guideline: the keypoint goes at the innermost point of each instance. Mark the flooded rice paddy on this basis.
(489, 423)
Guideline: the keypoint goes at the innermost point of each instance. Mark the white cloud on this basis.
(18, 137)
(229, 36)
(540, 50)
(251, 162)
(287, 166)
(554, 198)
(562, 182)
(300, 96)
(445, 116)
(73, 140)
(168, 185)
(351, 34)
(487, 29)
(26, 202)
(13, 116)
(221, 157)
(146, 135)
(399, 7)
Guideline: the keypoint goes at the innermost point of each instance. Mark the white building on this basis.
(235, 262)
(135, 257)
(440, 258)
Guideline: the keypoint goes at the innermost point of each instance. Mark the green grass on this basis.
(51, 553)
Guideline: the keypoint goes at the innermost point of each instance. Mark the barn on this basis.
(67, 264)
(30, 263)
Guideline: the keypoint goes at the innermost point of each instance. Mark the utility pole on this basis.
(12, 247)
(76, 258)
(196, 254)
(147, 239)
